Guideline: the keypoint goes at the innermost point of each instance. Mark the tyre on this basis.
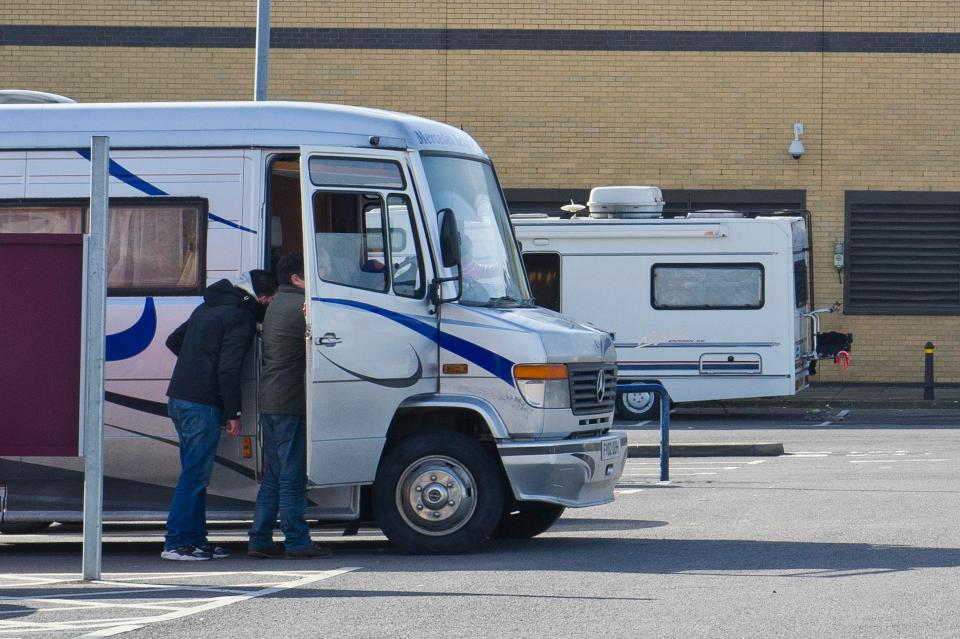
(638, 406)
(24, 527)
(438, 493)
(528, 519)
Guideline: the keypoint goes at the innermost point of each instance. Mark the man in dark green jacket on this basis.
(283, 422)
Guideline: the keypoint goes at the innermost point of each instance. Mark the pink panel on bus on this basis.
(40, 320)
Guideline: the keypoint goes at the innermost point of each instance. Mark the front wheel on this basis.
(438, 493)
(638, 406)
(528, 519)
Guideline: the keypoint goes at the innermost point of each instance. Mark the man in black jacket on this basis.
(205, 390)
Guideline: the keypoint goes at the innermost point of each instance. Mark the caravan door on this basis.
(369, 343)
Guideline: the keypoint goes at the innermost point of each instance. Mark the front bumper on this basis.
(570, 472)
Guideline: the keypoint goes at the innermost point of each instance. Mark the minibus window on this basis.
(41, 219)
(406, 267)
(156, 245)
(355, 172)
(350, 239)
(491, 269)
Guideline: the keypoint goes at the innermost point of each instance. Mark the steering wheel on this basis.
(474, 292)
(403, 265)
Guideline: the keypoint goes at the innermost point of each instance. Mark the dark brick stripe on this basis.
(99, 36)
(488, 39)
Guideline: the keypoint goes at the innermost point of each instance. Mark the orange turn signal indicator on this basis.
(455, 369)
(540, 371)
(247, 448)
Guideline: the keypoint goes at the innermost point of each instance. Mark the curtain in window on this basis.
(152, 247)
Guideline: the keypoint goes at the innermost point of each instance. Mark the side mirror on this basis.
(449, 257)
(449, 238)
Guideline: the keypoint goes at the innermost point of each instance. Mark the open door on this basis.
(371, 337)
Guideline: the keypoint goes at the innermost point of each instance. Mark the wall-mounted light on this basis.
(796, 149)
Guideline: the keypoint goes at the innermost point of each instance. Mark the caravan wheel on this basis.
(438, 493)
(638, 406)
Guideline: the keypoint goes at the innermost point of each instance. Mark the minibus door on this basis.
(370, 336)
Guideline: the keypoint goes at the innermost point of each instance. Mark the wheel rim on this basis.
(638, 402)
(436, 495)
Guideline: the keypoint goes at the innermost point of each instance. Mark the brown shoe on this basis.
(310, 552)
(266, 552)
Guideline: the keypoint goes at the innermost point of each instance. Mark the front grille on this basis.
(583, 388)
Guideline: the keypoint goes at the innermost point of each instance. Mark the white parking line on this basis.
(894, 461)
(111, 626)
(672, 473)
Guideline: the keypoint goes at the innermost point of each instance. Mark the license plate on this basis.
(610, 449)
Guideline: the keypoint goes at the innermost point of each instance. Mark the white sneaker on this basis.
(186, 553)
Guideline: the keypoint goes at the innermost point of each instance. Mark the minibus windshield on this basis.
(489, 259)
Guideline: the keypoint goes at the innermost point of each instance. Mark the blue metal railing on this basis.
(661, 392)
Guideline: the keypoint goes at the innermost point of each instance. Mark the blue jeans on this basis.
(198, 428)
(283, 489)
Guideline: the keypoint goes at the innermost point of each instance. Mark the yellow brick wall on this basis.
(551, 119)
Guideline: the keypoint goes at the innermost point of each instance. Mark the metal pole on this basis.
(94, 317)
(262, 70)
(664, 434)
(928, 380)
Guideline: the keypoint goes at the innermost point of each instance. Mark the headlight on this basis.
(543, 385)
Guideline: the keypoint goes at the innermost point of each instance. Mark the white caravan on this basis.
(713, 306)
(442, 403)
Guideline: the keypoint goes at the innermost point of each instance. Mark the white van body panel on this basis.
(218, 154)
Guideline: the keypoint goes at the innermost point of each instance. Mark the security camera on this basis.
(796, 149)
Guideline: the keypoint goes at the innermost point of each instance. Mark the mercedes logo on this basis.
(601, 385)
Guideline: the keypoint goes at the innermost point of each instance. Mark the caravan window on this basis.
(543, 271)
(155, 245)
(800, 283)
(706, 286)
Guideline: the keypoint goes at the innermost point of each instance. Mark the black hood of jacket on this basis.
(211, 346)
(224, 293)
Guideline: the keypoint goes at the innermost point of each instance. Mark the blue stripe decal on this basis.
(125, 176)
(485, 359)
(136, 339)
(217, 218)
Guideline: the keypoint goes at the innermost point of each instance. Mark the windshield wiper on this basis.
(505, 301)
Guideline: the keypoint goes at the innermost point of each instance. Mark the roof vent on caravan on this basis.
(625, 202)
(22, 96)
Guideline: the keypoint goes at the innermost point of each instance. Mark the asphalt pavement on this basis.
(819, 406)
(853, 532)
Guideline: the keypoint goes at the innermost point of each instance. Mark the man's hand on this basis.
(233, 427)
